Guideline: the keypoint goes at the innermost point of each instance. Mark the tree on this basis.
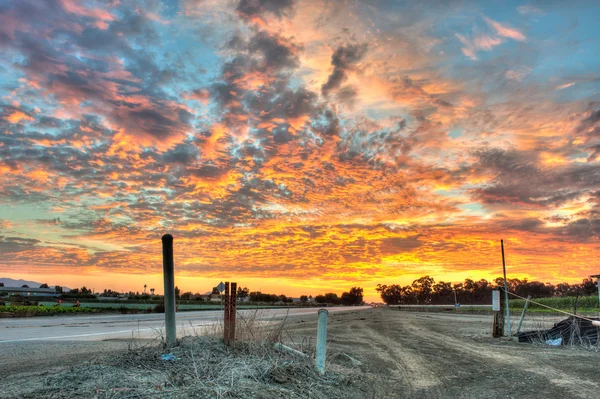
(354, 297)
(24, 286)
(1, 284)
(423, 288)
(242, 292)
(303, 299)
(330, 298)
(44, 286)
(215, 291)
(152, 291)
(392, 295)
(177, 292)
(443, 293)
(187, 296)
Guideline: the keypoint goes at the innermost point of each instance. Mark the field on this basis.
(375, 353)
(585, 304)
(51, 308)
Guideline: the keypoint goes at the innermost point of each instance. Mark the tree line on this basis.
(426, 291)
(353, 297)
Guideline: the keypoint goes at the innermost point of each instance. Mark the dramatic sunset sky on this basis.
(298, 147)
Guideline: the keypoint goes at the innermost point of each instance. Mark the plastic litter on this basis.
(168, 357)
(572, 330)
(555, 342)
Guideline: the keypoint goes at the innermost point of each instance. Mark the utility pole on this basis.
(505, 288)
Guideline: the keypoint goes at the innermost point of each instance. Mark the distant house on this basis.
(29, 292)
(210, 297)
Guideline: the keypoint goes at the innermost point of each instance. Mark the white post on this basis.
(321, 340)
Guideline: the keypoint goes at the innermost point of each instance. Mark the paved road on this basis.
(102, 327)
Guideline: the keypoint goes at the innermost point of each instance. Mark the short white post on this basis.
(321, 340)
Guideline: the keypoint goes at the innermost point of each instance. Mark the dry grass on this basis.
(206, 368)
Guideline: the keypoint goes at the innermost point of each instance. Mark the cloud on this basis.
(486, 42)
(514, 171)
(298, 140)
(505, 31)
(250, 8)
(564, 86)
(529, 10)
(344, 60)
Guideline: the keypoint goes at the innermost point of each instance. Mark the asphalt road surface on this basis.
(102, 327)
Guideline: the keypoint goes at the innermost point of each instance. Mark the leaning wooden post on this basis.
(226, 315)
(232, 311)
(523, 314)
(169, 280)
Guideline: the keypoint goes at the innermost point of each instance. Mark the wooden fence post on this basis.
(232, 313)
(226, 315)
(498, 326)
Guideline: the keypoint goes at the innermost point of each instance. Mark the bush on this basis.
(28, 311)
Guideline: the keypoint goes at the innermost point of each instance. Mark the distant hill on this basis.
(9, 282)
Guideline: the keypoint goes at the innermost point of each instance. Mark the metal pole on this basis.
(505, 288)
(321, 340)
(523, 314)
(169, 279)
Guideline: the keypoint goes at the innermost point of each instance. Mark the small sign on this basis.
(496, 300)
(221, 287)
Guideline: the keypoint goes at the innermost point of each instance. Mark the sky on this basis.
(298, 147)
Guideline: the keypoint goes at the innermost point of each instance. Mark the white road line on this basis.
(74, 336)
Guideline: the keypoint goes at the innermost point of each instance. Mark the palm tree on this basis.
(144, 288)
(152, 291)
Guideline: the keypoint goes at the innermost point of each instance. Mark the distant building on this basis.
(29, 292)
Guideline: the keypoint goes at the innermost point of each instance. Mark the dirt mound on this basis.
(200, 367)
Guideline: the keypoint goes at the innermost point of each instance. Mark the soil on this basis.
(374, 353)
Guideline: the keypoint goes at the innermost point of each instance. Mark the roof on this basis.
(595, 276)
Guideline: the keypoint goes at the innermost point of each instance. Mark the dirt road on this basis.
(411, 355)
(440, 355)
